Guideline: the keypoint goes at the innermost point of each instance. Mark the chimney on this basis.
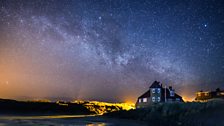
(218, 90)
(170, 87)
(161, 85)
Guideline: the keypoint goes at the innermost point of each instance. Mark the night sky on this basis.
(109, 50)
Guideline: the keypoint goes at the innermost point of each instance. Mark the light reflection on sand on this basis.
(52, 120)
(44, 117)
(65, 120)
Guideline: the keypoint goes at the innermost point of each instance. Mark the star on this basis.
(105, 50)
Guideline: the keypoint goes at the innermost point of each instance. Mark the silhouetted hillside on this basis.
(105, 107)
(177, 114)
(45, 107)
(8, 107)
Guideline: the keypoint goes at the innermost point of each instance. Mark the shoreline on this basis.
(81, 120)
(27, 117)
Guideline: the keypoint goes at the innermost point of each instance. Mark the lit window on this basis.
(139, 100)
(153, 90)
(144, 99)
(199, 94)
(153, 99)
(206, 94)
(158, 90)
(171, 93)
(158, 99)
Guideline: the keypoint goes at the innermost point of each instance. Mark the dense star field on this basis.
(109, 50)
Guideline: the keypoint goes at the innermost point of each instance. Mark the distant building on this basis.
(157, 94)
(209, 95)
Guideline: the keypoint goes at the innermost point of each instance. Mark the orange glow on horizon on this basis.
(129, 99)
(188, 99)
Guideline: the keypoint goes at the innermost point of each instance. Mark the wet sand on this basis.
(66, 120)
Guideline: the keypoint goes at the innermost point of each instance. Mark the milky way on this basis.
(109, 50)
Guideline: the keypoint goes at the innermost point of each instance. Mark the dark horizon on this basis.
(109, 50)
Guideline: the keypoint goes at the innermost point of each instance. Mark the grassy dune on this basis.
(177, 114)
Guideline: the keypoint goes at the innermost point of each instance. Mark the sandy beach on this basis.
(65, 120)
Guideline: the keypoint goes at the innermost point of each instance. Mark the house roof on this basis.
(145, 95)
(168, 95)
(155, 84)
(177, 96)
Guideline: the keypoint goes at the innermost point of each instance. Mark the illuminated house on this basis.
(157, 94)
(206, 95)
